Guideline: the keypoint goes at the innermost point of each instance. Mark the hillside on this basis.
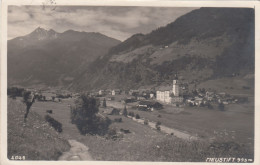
(35, 139)
(207, 43)
(48, 58)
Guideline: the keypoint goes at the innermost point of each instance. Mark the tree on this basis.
(125, 111)
(28, 100)
(210, 106)
(53, 98)
(221, 106)
(146, 122)
(157, 125)
(104, 103)
(84, 115)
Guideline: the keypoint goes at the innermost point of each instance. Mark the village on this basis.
(169, 112)
(177, 95)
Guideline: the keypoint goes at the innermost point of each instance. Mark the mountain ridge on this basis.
(204, 44)
(61, 56)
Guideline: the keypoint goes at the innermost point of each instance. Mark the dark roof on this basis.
(164, 88)
(148, 103)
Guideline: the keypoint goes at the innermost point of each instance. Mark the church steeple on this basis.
(175, 86)
(176, 76)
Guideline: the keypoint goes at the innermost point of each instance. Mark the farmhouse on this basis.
(133, 92)
(101, 92)
(148, 105)
(115, 92)
(110, 98)
(140, 98)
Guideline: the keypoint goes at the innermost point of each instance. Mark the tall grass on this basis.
(35, 139)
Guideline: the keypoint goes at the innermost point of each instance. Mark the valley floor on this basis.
(235, 126)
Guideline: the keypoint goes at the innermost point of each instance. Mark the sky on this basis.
(116, 22)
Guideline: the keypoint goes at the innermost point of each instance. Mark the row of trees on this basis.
(14, 92)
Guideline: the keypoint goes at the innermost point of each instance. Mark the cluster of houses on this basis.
(175, 95)
(151, 97)
(202, 97)
(110, 92)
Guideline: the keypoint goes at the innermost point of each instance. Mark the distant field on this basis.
(35, 139)
(205, 122)
(146, 144)
(231, 85)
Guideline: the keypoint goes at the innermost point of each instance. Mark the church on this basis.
(170, 96)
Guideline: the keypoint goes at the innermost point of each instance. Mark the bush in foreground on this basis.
(85, 116)
(54, 123)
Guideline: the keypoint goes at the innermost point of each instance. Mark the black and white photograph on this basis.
(130, 83)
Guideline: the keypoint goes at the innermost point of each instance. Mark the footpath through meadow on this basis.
(61, 112)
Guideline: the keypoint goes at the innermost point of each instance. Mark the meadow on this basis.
(221, 133)
(33, 139)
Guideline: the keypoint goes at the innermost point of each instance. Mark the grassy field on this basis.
(35, 139)
(237, 121)
(146, 144)
(231, 85)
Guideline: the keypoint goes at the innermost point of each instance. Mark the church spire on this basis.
(176, 76)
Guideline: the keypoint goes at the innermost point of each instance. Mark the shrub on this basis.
(112, 134)
(115, 112)
(84, 115)
(125, 130)
(246, 87)
(209, 106)
(119, 120)
(146, 122)
(137, 116)
(125, 111)
(221, 106)
(54, 123)
(157, 125)
(104, 103)
(14, 92)
(131, 114)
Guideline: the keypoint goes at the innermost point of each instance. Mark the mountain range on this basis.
(205, 44)
(48, 58)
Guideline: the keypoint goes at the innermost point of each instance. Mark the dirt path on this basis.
(78, 151)
(167, 130)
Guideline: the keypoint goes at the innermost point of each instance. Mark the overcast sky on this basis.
(116, 22)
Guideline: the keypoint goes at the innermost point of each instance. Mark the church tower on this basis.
(175, 86)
